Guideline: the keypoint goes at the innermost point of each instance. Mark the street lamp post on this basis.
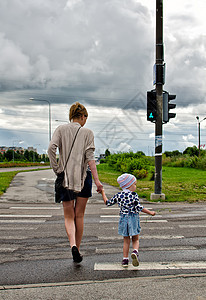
(198, 120)
(16, 141)
(62, 121)
(33, 151)
(34, 99)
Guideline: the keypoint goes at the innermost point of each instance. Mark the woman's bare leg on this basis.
(69, 216)
(79, 219)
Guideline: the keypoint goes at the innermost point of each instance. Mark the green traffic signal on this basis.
(151, 106)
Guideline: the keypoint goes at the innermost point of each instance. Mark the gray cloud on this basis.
(100, 53)
(76, 47)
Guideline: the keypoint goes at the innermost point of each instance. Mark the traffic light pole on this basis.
(159, 99)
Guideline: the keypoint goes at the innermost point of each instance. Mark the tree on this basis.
(191, 151)
(9, 155)
(107, 152)
(172, 153)
(1, 157)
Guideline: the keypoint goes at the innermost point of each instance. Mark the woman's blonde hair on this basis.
(76, 111)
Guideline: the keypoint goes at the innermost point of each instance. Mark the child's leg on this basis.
(135, 242)
(135, 255)
(126, 246)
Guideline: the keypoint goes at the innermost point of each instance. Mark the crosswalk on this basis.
(20, 224)
(165, 233)
(27, 217)
(152, 266)
(159, 235)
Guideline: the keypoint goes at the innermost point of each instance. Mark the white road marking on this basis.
(154, 221)
(14, 237)
(162, 237)
(6, 228)
(159, 228)
(119, 249)
(151, 266)
(117, 216)
(36, 207)
(117, 208)
(5, 248)
(110, 216)
(25, 216)
(158, 237)
(22, 221)
(107, 208)
(145, 221)
(192, 226)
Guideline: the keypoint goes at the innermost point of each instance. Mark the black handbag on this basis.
(59, 189)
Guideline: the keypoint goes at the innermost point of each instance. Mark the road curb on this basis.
(59, 284)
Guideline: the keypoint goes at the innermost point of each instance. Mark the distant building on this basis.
(32, 149)
(21, 150)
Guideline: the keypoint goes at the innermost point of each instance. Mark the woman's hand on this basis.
(98, 185)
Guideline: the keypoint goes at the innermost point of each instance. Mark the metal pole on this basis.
(34, 99)
(199, 136)
(49, 121)
(159, 95)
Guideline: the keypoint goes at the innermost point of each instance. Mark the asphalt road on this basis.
(34, 249)
(23, 168)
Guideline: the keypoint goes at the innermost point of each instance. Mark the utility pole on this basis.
(159, 67)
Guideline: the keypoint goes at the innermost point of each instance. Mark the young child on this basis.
(129, 223)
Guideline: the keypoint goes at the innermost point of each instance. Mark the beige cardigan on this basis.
(82, 153)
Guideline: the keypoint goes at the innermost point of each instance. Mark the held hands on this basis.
(99, 186)
(152, 213)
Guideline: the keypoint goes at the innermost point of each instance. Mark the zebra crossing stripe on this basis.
(151, 266)
(34, 207)
(25, 216)
(142, 221)
(117, 216)
(192, 226)
(157, 237)
(22, 221)
(119, 249)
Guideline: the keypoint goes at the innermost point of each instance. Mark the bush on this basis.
(139, 174)
(201, 163)
(130, 163)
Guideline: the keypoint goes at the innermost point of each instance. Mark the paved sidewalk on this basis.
(153, 288)
(38, 187)
(31, 187)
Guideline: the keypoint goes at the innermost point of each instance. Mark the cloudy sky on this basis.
(100, 53)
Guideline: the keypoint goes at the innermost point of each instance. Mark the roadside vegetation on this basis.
(20, 160)
(183, 174)
(5, 180)
(11, 156)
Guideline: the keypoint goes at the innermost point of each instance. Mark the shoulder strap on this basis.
(71, 147)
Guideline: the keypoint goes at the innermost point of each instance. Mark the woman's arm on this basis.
(93, 169)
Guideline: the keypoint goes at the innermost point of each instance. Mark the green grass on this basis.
(178, 184)
(5, 180)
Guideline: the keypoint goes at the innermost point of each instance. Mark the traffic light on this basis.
(151, 106)
(167, 106)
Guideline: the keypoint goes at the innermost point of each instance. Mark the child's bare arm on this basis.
(104, 196)
(149, 212)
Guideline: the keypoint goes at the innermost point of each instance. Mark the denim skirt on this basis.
(129, 224)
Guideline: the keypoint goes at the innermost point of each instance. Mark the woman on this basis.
(77, 179)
